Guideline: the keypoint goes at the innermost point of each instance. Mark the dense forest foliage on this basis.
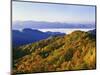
(75, 51)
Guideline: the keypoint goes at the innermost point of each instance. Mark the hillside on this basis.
(75, 51)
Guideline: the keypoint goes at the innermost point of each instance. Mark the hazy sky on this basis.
(23, 11)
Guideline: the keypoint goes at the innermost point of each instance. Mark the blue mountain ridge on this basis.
(27, 36)
(93, 32)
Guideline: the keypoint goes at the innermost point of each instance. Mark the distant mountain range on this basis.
(27, 36)
(47, 25)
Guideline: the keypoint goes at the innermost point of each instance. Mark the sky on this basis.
(23, 11)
